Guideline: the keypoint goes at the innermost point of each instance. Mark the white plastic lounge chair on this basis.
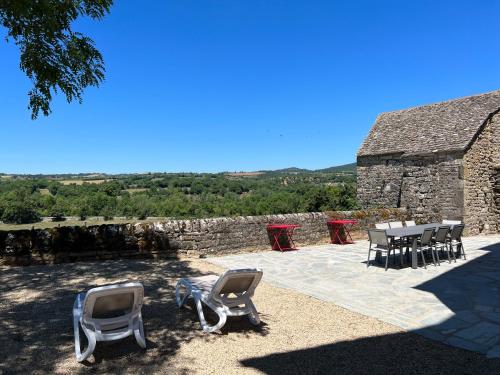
(108, 313)
(224, 295)
(410, 223)
(382, 226)
(452, 222)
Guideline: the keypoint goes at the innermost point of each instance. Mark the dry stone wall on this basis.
(170, 238)
(429, 186)
(481, 190)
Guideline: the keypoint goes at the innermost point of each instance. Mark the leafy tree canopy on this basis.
(174, 195)
(54, 56)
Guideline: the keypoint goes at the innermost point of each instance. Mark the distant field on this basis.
(245, 174)
(136, 190)
(81, 182)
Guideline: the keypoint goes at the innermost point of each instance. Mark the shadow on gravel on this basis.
(404, 353)
(36, 317)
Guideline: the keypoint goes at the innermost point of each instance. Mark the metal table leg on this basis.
(414, 258)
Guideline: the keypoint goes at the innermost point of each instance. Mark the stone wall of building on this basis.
(482, 212)
(497, 194)
(429, 186)
(170, 238)
(379, 180)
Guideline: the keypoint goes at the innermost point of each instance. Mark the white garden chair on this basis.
(227, 295)
(451, 222)
(108, 313)
(395, 224)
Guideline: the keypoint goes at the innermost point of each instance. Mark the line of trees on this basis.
(26, 200)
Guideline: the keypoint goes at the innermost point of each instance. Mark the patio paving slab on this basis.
(456, 303)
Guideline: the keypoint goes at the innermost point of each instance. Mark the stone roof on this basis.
(440, 127)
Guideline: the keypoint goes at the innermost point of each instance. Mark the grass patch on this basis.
(45, 191)
(81, 182)
(136, 190)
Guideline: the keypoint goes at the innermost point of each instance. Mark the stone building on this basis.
(439, 161)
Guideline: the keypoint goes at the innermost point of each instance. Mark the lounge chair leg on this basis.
(181, 299)
(368, 261)
(139, 332)
(90, 337)
(76, 330)
(387, 260)
(203, 322)
(222, 320)
(199, 307)
(462, 251)
(254, 315)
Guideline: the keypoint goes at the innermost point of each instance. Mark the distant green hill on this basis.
(345, 168)
(288, 170)
(351, 168)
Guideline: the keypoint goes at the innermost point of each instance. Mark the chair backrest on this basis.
(395, 224)
(378, 237)
(456, 232)
(382, 226)
(441, 233)
(108, 306)
(410, 223)
(426, 237)
(452, 222)
(241, 281)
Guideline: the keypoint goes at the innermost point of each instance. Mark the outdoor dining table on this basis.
(412, 233)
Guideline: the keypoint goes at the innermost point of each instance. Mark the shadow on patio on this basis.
(472, 292)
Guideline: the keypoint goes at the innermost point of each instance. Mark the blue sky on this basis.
(199, 85)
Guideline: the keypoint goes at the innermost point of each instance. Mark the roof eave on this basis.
(403, 154)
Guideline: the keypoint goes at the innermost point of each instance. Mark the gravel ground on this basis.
(298, 334)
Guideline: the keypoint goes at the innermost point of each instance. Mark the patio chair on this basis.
(396, 241)
(108, 313)
(451, 222)
(425, 243)
(395, 224)
(410, 223)
(227, 295)
(379, 238)
(455, 239)
(441, 240)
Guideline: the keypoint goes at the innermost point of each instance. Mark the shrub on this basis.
(19, 213)
(58, 217)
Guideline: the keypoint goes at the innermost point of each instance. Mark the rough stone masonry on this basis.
(438, 161)
(170, 238)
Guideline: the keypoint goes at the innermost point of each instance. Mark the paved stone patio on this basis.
(457, 303)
